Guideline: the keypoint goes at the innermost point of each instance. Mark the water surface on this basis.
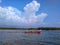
(18, 37)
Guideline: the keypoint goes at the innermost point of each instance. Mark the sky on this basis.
(29, 13)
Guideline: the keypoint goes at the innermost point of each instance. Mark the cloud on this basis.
(11, 16)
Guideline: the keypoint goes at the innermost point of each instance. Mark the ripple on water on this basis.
(18, 38)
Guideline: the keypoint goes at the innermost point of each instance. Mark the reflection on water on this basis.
(18, 37)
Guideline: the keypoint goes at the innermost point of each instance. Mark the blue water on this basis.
(18, 37)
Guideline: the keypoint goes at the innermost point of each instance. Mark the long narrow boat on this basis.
(33, 32)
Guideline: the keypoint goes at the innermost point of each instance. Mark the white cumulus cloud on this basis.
(11, 16)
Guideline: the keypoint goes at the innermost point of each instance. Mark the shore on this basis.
(42, 28)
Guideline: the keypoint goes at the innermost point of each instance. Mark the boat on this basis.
(33, 32)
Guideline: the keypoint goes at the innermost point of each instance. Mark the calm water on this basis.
(18, 37)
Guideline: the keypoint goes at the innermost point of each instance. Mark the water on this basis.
(18, 37)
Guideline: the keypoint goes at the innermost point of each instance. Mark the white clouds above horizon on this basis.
(13, 17)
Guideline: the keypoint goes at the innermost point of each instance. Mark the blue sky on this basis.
(29, 13)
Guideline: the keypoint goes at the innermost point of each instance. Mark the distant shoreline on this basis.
(42, 28)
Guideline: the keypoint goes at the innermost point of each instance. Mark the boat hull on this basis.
(33, 32)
